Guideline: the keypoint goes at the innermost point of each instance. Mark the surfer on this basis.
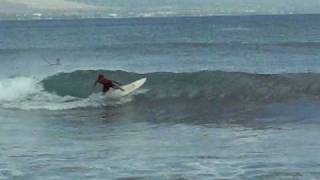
(107, 83)
(57, 63)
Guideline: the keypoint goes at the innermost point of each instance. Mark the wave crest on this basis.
(17, 88)
(76, 90)
(224, 87)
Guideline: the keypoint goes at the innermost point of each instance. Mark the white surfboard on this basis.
(129, 88)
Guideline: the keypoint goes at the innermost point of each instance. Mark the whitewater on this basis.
(232, 97)
(29, 94)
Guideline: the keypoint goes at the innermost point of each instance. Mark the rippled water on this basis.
(185, 123)
(104, 144)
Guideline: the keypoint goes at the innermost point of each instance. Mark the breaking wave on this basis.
(29, 94)
(75, 90)
(225, 87)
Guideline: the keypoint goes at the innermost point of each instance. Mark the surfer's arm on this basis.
(116, 86)
(47, 61)
(95, 83)
(115, 82)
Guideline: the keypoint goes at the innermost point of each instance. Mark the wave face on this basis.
(203, 89)
(206, 86)
(195, 97)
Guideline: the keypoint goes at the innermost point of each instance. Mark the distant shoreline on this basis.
(67, 18)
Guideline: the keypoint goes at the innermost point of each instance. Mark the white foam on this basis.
(237, 29)
(27, 94)
(17, 88)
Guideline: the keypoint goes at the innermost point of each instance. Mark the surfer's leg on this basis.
(105, 90)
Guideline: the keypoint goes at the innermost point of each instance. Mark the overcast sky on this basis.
(158, 7)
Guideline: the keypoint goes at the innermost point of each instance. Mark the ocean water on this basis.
(233, 97)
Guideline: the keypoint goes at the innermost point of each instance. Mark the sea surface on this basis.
(227, 97)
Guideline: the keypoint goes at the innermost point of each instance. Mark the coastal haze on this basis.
(69, 9)
(227, 97)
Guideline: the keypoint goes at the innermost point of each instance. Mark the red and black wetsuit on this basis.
(107, 84)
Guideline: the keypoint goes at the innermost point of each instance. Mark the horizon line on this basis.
(150, 17)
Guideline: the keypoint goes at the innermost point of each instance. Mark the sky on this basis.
(137, 8)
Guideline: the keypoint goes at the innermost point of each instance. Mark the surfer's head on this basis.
(101, 76)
